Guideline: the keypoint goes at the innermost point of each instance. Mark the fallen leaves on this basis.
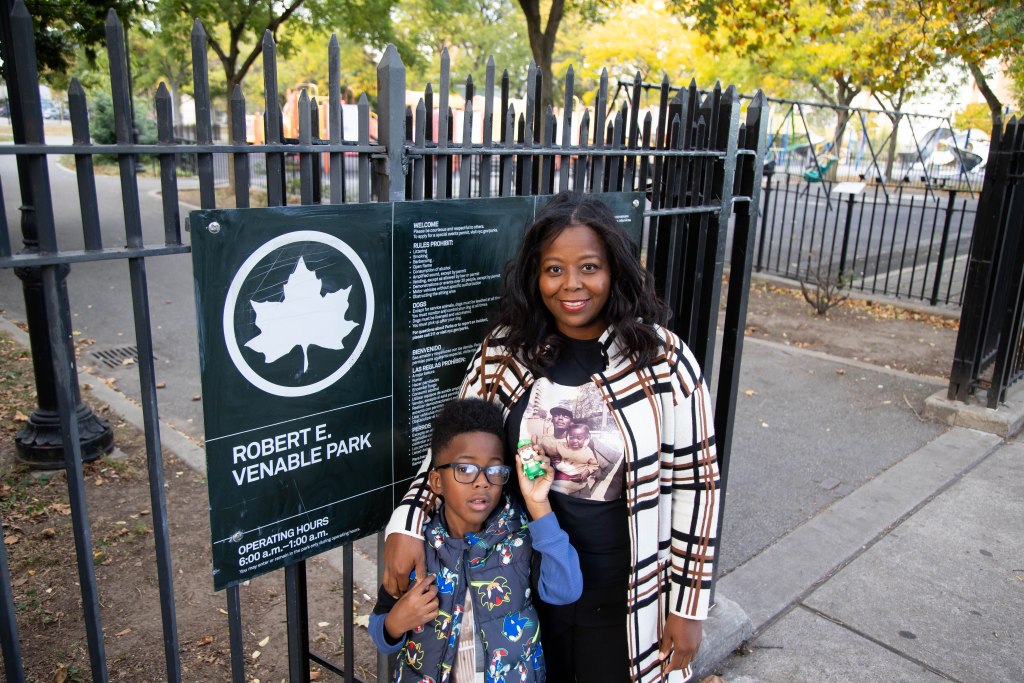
(62, 509)
(880, 311)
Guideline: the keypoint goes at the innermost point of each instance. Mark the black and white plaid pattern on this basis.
(664, 413)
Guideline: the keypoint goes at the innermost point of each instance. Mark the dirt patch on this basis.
(39, 539)
(38, 536)
(860, 329)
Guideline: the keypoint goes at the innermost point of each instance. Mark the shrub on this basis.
(823, 289)
(103, 130)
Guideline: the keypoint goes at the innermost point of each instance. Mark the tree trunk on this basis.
(542, 42)
(891, 153)
(894, 112)
(994, 105)
(845, 92)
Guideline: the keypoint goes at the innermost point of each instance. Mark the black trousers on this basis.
(585, 642)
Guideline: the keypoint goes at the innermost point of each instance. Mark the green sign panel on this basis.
(329, 338)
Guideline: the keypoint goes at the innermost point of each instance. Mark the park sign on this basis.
(329, 338)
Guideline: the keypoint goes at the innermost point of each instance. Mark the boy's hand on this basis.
(535, 491)
(418, 606)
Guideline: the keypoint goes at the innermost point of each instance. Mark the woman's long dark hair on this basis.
(632, 307)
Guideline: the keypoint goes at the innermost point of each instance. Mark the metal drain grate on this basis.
(116, 357)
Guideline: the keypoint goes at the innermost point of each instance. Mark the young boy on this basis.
(472, 614)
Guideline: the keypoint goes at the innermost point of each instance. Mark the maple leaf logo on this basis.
(304, 317)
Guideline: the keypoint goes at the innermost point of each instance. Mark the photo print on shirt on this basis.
(577, 431)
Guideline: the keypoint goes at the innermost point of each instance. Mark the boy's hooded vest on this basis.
(494, 566)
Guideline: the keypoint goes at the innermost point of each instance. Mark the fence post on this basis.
(39, 443)
(722, 137)
(846, 235)
(769, 171)
(942, 246)
(1007, 310)
(738, 294)
(389, 171)
(9, 645)
(981, 287)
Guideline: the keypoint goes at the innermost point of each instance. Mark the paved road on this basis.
(892, 248)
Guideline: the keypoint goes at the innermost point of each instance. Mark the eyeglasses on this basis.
(467, 472)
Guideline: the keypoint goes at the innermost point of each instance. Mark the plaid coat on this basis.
(664, 413)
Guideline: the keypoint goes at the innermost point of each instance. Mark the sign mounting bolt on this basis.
(213, 227)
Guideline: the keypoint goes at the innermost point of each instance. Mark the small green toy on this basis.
(531, 466)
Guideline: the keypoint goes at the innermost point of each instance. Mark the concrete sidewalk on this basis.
(913, 571)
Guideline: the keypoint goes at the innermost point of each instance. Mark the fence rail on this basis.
(698, 164)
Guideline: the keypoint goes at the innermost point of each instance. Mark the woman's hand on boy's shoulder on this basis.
(402, 554)
(418, 606)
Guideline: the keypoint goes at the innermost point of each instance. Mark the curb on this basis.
(1005, 421)
(726, 628)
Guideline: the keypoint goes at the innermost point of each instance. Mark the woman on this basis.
(578, 326)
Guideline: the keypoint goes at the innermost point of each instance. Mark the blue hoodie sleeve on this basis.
(381, 640)
(560, 581)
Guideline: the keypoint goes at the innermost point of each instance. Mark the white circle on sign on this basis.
(232, 299)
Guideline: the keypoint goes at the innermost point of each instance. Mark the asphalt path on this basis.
(100, 292)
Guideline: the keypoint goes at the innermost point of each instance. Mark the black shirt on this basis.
(597, 528)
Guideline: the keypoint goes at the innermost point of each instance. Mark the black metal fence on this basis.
(890, 240)
(989, 352)
(697, 163)
(880, 202)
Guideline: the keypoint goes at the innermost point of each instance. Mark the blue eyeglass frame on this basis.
(504, 470)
